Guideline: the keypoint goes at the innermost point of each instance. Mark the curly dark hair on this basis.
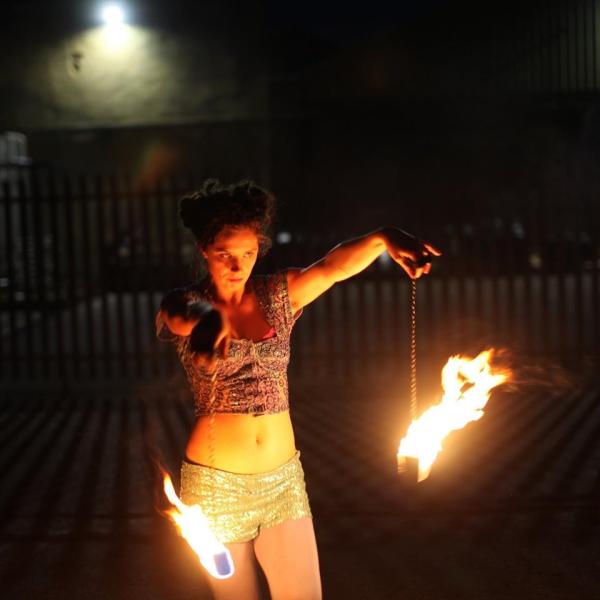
(214, 206)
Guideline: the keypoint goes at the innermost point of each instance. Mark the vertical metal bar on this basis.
(540, 44)
(547, 256)
(58, 277)
(533, 49)
(561, 275)
(10, 202)
(547, 47)
(566, 27)
(170, 200)
(114, 200)
(559, 49)
(25, 235)
(595, 279)
(479, 271)
(578, 275)
(556, 28)
(461, 281)
(5, 298)
(83, 199)
(134, 278)
(70, 208)
(146, 230)
(547, 43)
(579, 41)
(495, 271)
(594, 20)
(98, 196)
(531, 242)
(585, 35)
(170, 260)
(576, 39)
(41, 297)
(160, 203)
(509, 269)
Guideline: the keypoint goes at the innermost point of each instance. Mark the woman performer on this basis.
(232, 332)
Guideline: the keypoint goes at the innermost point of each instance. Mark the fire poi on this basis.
(194, 527)
(466, 384)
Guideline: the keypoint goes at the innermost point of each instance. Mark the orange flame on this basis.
(467, 385)
(194, 527)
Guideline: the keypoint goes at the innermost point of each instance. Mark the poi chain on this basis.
(413, 349)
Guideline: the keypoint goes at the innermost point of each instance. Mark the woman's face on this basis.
(231, 257)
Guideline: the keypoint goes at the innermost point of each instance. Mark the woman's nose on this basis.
(235, 265)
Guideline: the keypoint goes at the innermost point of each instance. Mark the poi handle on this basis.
(223, 564)
(408, 469)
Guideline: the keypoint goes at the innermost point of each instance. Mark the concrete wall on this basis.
(205, 65)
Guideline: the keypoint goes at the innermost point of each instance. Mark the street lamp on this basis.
(112, 15)
(115, 28)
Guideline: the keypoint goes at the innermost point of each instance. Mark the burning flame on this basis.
(194, 527)
(467, 384)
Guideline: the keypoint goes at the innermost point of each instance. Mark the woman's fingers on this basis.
(413, 270)
(222, 345)
(417, 262)
(431, 248)
(407, 265)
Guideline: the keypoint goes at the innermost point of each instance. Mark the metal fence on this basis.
(85, 261)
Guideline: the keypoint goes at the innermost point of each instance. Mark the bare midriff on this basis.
(243, 443)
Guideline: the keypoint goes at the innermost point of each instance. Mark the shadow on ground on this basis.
(511, 509)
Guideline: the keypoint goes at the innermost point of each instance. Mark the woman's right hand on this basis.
(210, 339)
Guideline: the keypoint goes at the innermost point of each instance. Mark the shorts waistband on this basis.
(280, 472)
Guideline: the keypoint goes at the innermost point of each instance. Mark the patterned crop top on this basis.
(253, 377)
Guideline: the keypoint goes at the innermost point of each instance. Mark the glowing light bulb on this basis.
(113, 15)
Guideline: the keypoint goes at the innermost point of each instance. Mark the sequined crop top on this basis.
(253, 377)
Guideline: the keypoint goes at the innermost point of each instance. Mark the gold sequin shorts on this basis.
(239, 505)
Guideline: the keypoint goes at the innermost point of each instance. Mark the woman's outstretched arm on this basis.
(353, 256)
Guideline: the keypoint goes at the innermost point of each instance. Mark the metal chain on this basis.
(413, 349)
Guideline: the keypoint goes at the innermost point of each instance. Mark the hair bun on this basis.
(210, 185)
(215, 206)
(188, 210)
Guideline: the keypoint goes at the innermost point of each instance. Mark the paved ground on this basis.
(512, 509)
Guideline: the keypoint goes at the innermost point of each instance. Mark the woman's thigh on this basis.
(243, 584)
(288, 556)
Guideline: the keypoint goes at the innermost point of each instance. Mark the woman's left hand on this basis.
(411, 253)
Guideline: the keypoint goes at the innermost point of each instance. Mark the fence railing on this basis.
(84, 263)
